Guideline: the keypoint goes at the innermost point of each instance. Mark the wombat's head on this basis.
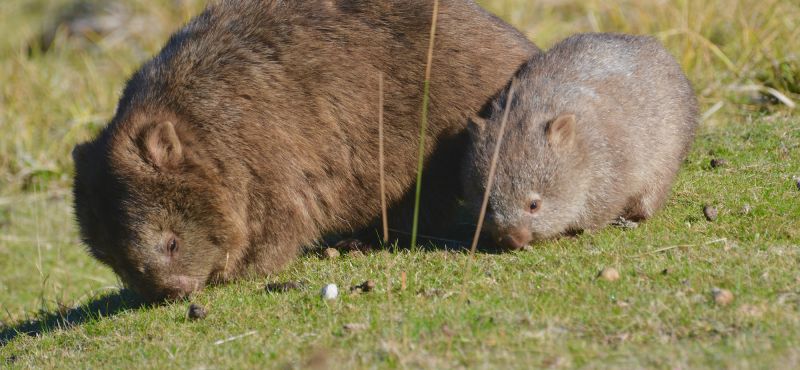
(538, 189)
(150, 207)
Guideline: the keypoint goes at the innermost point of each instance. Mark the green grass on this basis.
(539, 308)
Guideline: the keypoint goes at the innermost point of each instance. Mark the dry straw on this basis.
(492, 168)
(482, 215)
(381, 161)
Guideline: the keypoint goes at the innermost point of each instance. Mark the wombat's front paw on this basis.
(350, 245)
(624, 223)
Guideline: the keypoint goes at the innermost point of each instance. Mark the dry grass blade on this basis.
(781, 97)
(785, 100)
(381, 161)
(711, 111)
(424, 124)
(235, 337)
(671, 247)
(492, 169)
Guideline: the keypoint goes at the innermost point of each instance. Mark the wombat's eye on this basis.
(535, 205)
(172, 246)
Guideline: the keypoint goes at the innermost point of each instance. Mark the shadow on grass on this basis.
(105, 306)
(369, 240)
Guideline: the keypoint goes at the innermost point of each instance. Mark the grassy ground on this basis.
(540, 308)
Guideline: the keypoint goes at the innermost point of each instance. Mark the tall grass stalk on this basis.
(424, 124)
(492, 169)
(482, 215)
(381, 161)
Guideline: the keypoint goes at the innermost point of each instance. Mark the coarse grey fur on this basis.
(597, 129)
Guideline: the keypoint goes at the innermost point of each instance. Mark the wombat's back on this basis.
(622, 80)
(640, 112)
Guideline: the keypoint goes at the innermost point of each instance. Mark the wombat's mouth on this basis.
(175, 289)
(515, 238)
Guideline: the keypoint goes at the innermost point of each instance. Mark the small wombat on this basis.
(597, 129)
(254, 132)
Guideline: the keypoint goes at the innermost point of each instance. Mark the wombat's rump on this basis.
(254, 132)
(598, 128)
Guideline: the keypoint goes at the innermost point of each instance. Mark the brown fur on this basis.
(254, 132)
(598, 129)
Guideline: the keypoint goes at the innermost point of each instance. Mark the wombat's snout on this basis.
(513, 238)
(177, 288)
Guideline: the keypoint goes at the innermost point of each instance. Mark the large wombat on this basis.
(597, 129)
(254, 132)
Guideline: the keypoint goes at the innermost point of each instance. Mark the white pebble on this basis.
(330, 291)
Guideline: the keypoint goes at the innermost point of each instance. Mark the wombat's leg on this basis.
(363, 242)
(645, 206)
(638, 211)
(267, 258)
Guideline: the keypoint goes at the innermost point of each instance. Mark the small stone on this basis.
(718, 162)
(330, 292)
(196, 312)
(797, 182)
(710, 212)
(331, 253)
(722, 297)
(283, 287)
(364, 287)
(355, 327)
(609, 274)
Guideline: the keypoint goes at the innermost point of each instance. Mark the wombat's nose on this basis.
(181, 287)
(516, 238)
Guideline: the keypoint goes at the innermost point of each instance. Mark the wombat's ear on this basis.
(79, 152)
(476, 126)
(561, 131)
(162, 145)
